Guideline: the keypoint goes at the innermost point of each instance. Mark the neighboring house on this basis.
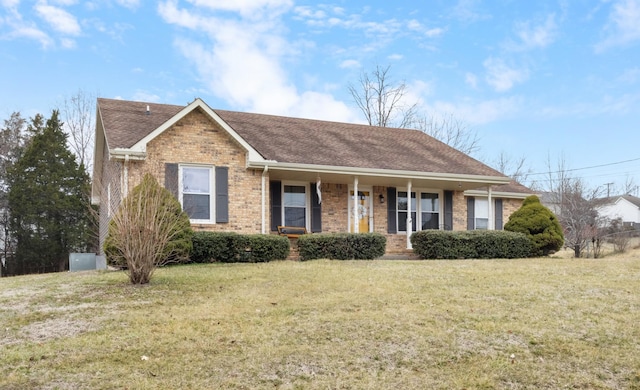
(625, 207)
(250, 173)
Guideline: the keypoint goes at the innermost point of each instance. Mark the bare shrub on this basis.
(620, 236)
(148, 230)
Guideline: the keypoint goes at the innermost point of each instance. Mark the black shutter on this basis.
(222, 194)
(171, 181)
(275, 190)
(471, 210)
(448, 210)
(392, 226)
(316, 210)
(499, 222)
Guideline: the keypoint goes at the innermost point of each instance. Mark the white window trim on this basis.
(350, 207)
(212, 196)
(418, 211)
(475, 214)
(307, 201)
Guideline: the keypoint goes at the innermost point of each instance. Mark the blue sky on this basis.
(541, 79)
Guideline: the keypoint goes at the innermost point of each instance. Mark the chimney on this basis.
(148, 111)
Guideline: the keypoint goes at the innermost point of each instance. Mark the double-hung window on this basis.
(429, 211)
(197, 193)
(425, 213)
(295, 205)
(481, 214)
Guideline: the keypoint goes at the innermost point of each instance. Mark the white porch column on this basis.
(409, 220)
(355, 201)
(264, 199)
(492, 223)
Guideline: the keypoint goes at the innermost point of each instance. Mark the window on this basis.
(196, 193)
(425, 213)
(429, 211)
(294, 204)
(481, 213)
(402, 211)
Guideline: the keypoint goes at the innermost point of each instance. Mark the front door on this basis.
(364, 211)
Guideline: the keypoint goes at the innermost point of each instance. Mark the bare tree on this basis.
(383, 103)
(78, 113)
(629, 187)
(575, 205)
(515, 168)
(450, 130)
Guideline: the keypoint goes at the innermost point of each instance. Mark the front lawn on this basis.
(506, 324)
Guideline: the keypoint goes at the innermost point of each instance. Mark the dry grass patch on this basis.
(542, 323)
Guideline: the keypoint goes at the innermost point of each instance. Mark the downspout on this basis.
(492, 221)
(125, 176)
(264, 199)
(409, 220)
(356, 222)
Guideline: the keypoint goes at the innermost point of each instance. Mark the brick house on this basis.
(250, 173)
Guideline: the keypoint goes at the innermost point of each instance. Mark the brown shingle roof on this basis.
(304, 141)
(127, 122)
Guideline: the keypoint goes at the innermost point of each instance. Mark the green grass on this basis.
(516, 324)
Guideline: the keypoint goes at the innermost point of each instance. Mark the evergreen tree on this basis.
(539, 224)
(48, 193)
(12, 139)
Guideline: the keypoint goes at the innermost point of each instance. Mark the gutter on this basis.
(376, 172)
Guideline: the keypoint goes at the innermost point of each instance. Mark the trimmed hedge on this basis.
(473, 244)
(342, 246)
(234, 248)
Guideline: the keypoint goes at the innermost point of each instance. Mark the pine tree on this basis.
(12, 139)
(48, 193)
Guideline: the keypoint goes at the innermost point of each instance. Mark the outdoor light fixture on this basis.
(381, 199)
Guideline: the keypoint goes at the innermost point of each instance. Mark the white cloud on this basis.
(467, 11)
(346, 64)
(249, 9)
(434, 32)
(395, 57)
(241, 60)
(19, 28)
(536, 36)
(144, 96)
(471, 80)
(479, 112)
(630, 76)
(501, 76)
(131, 4)
(623, 26)
(59, 19)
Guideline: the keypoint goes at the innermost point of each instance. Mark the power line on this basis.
(591, 167)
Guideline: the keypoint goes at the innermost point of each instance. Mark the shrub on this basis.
(476, 244)
(539, 224)
(341, 246)
(148, 230)
(229, 247)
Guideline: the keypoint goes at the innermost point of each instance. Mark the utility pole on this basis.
(608, 187)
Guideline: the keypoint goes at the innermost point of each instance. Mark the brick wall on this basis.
(196, 139)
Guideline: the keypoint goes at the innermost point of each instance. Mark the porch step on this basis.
(404, 255)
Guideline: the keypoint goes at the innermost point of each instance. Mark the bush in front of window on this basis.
(148, 230)
(229, 247)
(342, 246)
(474, 244)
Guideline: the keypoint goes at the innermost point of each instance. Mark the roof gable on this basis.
(130, 126)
